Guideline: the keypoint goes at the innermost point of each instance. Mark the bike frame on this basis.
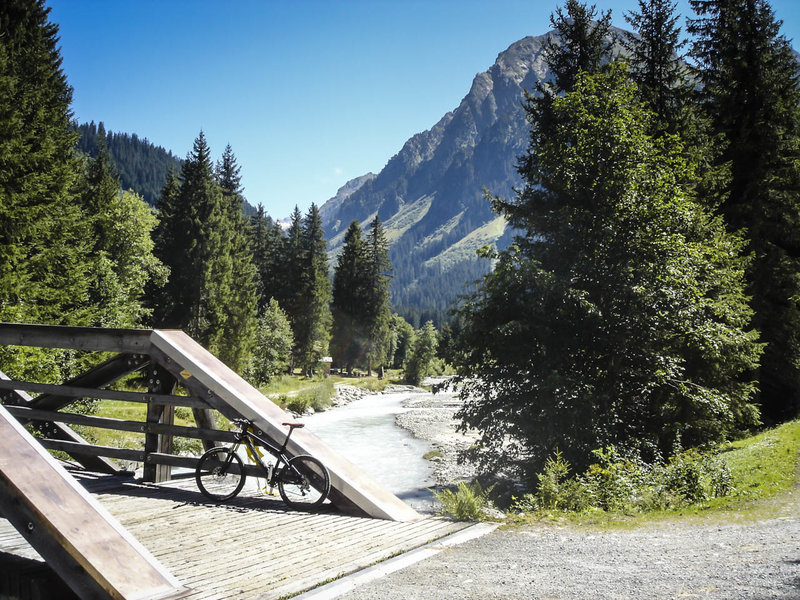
(253, 441)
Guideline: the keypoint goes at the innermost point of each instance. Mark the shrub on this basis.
(466, 503)
(617, 483)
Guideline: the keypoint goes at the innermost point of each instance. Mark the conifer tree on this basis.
(377, 305)
(239, 326)
(44, 235)
(750, 94)
(348, 341)
(201, 269)
(618, 317)
(312, 327)
(267, 241)
(657, 65)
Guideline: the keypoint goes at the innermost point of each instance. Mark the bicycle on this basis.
(303, 481)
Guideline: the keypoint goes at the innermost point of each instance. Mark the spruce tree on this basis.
(348, 309)
(377, 305)
(267, 241)
(750, 94)
(312, 328)
(657, 65)
(44, 235)
(239, 326)
(201, 274)
(618, 317)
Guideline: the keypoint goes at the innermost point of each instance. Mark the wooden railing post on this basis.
(160, 382)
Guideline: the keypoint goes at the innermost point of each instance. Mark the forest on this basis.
(648, 303)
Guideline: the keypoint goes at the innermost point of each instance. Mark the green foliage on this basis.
(273, 345)
(657, 65)
(362, 321)
(400, 342)
(618, 484)
(317, 397)
(619, 317)
(420, 362)
(142, 166)
(751, 101)
(466, 503)
(312, 314)
(202, 238)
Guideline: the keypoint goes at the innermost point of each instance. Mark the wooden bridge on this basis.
(154, 539)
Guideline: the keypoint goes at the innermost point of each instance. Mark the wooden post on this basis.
(160, 382)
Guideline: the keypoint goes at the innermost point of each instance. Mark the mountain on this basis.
(142, 166)
(430, 194)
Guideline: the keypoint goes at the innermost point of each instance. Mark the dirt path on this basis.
(720, 557)
(695, 558)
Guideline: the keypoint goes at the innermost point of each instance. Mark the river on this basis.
(364, 432)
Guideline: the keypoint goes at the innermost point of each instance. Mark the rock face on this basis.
(430, 194)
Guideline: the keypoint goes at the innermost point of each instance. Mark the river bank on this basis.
(431, 418)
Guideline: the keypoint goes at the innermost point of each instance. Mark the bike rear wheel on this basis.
(220, 474)
(304, 483)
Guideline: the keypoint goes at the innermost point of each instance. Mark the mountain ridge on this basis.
(430, 195)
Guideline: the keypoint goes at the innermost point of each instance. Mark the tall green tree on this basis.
(377, 300)
(312, 303)
(44, 235)
(419, 363)
(618, 317)
(242, 306)
(267, 241)
(751, 96)
(201, 238)
(348, 340)
(121, 256)
(657, 65)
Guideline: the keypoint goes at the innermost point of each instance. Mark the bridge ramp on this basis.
(78, 538)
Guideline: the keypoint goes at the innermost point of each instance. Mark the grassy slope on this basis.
(766, 478)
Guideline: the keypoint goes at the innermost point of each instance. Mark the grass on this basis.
(310, 391)
(765, 469)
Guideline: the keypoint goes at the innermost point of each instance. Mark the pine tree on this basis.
(618, 317)
(377, 305)
(657, 65)
(349, 338)
(267, 241)
(751, 96)
(44, 235)
(239, 327)
(170, 237)
(583, 42)
(312, 327)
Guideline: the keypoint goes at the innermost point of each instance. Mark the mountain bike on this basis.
(302, 481)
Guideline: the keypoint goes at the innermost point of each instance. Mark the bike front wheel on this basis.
(220, 474)
(304, 483)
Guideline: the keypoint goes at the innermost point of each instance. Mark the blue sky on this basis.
(309, 94)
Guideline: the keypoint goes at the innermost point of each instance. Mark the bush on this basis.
(617, 483)
(466, 503)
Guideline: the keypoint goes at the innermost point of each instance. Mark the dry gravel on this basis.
(709, 558)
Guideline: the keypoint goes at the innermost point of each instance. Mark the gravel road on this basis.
(695, 559)
(711, 558)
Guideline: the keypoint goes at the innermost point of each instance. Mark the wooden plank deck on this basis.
(249, 548)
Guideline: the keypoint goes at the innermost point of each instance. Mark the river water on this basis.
(364, 432)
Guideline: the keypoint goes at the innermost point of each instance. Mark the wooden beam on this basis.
(91, 339)
(99, 376)
(31, 414)
(154, 458)
(60, 431)
(72, 393)
(160, 382)
(69, 528)
(227, 391)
